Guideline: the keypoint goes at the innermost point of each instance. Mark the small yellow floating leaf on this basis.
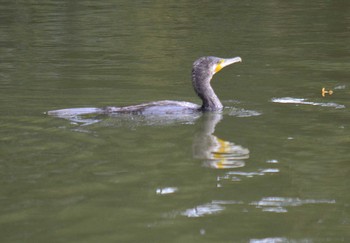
(324, 92)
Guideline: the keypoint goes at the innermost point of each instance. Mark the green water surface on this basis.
(276, 168)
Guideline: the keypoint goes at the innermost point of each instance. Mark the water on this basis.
(273, 167)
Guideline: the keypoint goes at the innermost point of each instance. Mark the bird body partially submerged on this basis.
(156, 108)
(202, 72)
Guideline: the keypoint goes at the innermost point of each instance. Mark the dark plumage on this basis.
(202, 72)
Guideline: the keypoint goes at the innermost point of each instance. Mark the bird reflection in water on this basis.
(215, 152)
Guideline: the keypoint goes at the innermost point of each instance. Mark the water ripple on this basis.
(279, 204)
(166, 190)
(237, 175)
(280, 240)
(301, 101)
(237, 112)
(202, 210)
(266, 204)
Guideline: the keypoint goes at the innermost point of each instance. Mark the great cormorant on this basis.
(202, 72)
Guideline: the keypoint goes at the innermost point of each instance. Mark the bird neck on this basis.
(211, 101)
(201, 85)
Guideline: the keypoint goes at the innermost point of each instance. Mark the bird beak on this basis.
(225, 62)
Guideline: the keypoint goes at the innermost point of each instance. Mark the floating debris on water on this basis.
(324, 92)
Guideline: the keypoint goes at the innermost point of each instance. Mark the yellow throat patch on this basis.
(219, 66)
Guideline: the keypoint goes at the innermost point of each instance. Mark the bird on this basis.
(203, 70)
